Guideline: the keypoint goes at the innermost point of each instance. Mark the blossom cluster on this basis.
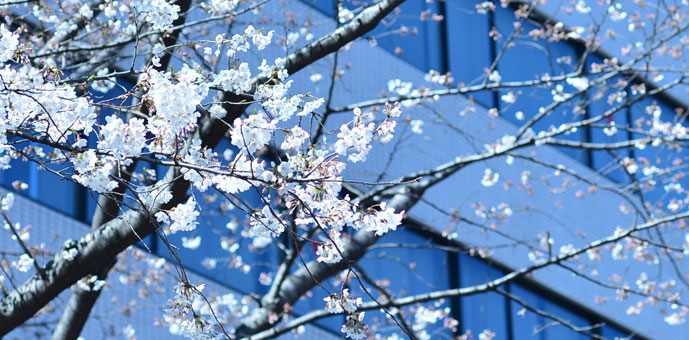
(340, 303)
(303, 178)
(182, 317)
(308, 180)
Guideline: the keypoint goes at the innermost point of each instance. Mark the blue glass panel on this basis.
(660, 156)
(602, 160)
(613, 333)
(482, 311)
(559, 332)
(317, 294)
(404, 264)
(468, 45)
(44, 186)
(214, 235)
(212, 231)
(529, 325)
(405, 271)
(326, 7)
(56, 192)
(419, 44)
(530, 60)
(20, 171)
(526, 325)
(527, 58)
(91, 203)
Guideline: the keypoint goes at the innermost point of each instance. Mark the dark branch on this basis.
(115, 236)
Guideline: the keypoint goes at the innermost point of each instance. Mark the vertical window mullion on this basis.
(508, 314)
(455, 303)
(493, 54)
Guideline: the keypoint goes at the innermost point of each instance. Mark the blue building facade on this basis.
(442, 46)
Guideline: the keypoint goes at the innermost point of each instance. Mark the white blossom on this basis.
(9, 41)
(509, 97)
(536, 256)
(85, 11)
(310, 107)
(400, 87)
(580, 83)
(161, 13)
(425, 317)
(616, 13)
(582, 8)
(186, 320)
(382, 221)
(175, 103)
(386, 131)
(618, 252)
(265, 223)
(93, 172)
(486, 335)
(217, 111)
(259, 39)
(294, 138)
(235, 79)
(123, 140)
(242, 165)
(209, 263)
(24, 264)
(155, 194)
(558, 93)
(316, 77)
(357, 138)
(344, 14)
(221, 6)
(567, 249)
(610, 130)
(7, 201)
(329, 251)
(104, 85)
(354, 327)
(416, 126)
(342, 303)
(191, 242)
(495, 77)
(90, 283)
(675, 319)
(183, 216)
(70, 254)
(489, 178)
(252, 133)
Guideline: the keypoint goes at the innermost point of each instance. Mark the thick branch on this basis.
(304, 279)
(467, 291)
(115, 236)
(81, 302)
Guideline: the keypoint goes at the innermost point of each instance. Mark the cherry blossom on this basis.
(123, 140)
(9, 41)
(338, 303)
(489, 177)
(58, 111)
(354, 328)
(24, 263)
(161, 13)
(7, 201)
(183, 216)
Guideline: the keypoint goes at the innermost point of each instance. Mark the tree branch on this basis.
(466, 291)
(308, 276)
(115, 236)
